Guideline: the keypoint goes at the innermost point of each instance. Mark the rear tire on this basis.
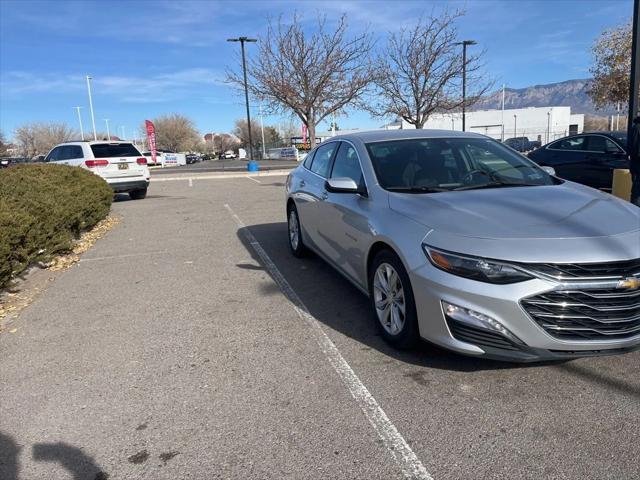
(392, 301)
(295, 232)
(138, 194)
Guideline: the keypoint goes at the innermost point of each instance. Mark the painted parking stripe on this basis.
(251, 178)
(410, 465)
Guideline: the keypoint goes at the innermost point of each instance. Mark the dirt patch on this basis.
(24, 290)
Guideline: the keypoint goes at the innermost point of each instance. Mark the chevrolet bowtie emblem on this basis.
(630, 283)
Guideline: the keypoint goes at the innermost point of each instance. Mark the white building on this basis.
(536, 123)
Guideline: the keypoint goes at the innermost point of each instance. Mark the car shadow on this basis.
(339, 305)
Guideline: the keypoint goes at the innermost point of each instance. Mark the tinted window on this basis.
(346, 164)
(53, 155)
(109, 150)
(71, 151)
(449, 163)
(322, 159)
(571, 143)
(598, 143)
(309, 158)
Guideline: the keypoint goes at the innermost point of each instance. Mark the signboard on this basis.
(302, 143)
(151, 137)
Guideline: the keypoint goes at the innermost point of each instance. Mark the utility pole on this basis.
(264, 153)
(80, 121)
(633, 127)
(93, 118)
(106, 120)
(465, 44)
(242, 41)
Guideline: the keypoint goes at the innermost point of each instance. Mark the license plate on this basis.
(123, 166)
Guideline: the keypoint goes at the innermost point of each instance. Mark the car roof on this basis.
(382, 135)
(96, 142)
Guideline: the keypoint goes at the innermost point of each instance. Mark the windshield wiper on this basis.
(416, 189)
(496, 185)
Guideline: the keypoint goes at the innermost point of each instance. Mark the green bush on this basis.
(43, 208)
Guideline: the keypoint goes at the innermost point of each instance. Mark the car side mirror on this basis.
(344, 185)
(549, 170)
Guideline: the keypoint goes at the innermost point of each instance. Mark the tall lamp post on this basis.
(93, 118)
(106, 120)
(80, 121)
(465, 44)
(515, 125)
(633, 127)
(242, 41)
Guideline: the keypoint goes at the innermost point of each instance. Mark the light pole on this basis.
(242, 41)
(93, 118)
(515, 125)
(80, 121)
(502, 133)
(264, 153)
(548, 126)
(106, 120)
(465, 44)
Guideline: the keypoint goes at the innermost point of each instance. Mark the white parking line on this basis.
(251, 178)
(126, 255)
(411, 466)
(191, 182)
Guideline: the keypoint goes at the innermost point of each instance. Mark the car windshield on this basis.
(443, 164)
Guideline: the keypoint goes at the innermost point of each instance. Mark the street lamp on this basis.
(242, 41)
(80, 120)
(465, 44)
(93, 118)
(548, 126)
(515, 125)
(106, 120)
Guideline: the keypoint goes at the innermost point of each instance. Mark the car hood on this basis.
(524, 222)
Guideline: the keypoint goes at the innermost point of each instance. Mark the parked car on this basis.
(522, 144)
(122, 166)
(459, 240)
(192, 158)
(12, 161)
(229, 154)
(588, 158)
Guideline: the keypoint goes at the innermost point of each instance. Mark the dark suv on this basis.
(522, 144)
(588, 158)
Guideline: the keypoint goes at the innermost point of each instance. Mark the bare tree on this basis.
(38, 138)
(419, 72)
(312, 74)
(221, 142)
(271, 135)
(175, 133)
(3, 144)
(611, 67)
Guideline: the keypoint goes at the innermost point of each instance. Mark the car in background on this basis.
(522, 144)
(229, 154)
(12, 161)
(191, 158)
(587, 158)
(461, 241)
(120, 164)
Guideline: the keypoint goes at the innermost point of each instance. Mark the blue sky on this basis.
(149, 58)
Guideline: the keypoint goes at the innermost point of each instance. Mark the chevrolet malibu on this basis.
(463, 242)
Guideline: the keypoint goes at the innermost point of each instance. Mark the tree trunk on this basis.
(311, 131)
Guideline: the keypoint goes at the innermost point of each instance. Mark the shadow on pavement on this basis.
(339, 305)
(72, 459)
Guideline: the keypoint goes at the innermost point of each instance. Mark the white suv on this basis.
(122, 166)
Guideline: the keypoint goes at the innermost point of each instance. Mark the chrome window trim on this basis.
(548, 147)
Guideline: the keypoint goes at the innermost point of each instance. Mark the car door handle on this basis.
(324, 195)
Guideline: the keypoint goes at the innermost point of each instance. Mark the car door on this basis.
(603, 156)
(567, 157)
(343, 217)
(310, 190)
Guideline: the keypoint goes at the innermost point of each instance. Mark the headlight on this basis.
(475, 268)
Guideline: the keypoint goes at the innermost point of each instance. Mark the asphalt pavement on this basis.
(189, 343)
(231, 165)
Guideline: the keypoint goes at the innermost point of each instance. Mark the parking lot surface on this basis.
(229, 165)
(189, 343)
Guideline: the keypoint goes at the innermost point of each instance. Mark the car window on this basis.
(598, 143)
(571, 143)
(346, 164)
(450, 163)
(322, 159)
(73, 151)
(309, 159)
(110, 150)
(53, 155)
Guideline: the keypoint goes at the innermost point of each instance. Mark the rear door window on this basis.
(598, 143)
(571, 143)
(111, 150)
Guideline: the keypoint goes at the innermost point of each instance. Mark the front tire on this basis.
(138, 194)
(392, 301)
(295, 232)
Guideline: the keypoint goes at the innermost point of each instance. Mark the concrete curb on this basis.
(218, 176)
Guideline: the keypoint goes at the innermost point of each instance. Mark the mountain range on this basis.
(570, 93)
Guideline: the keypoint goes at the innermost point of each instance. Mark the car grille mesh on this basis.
(573, 271)
(597, 314)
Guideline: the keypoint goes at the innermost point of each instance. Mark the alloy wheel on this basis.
(294, 230)
(388, 295)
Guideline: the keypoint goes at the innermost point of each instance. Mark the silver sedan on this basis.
(463, 242)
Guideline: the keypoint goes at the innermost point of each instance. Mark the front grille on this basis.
(478, 336)
(599, 314)
(592, 271)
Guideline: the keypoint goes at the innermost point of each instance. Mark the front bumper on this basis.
(431, 286)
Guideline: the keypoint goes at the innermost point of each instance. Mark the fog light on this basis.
(478, 320)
